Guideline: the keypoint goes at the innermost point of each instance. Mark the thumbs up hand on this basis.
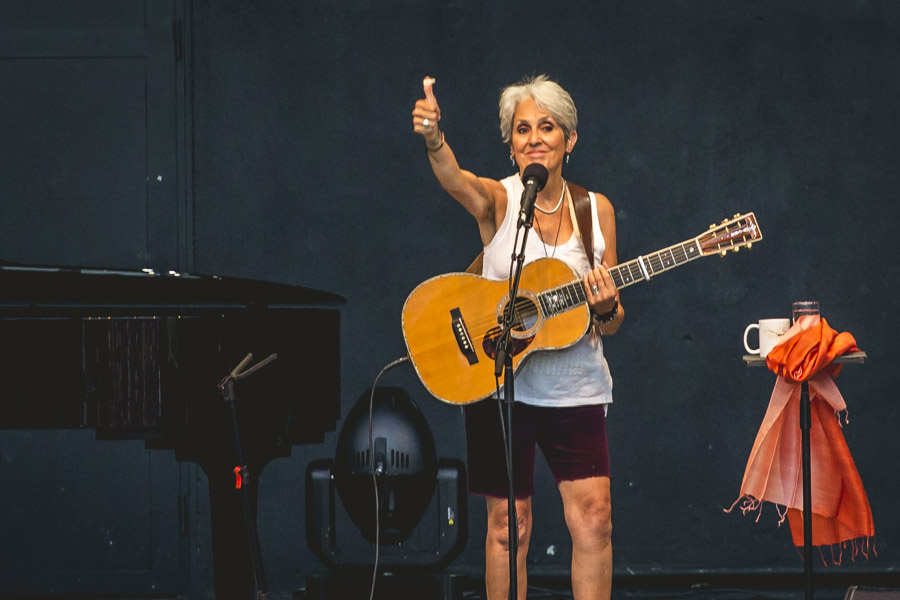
(426, 116)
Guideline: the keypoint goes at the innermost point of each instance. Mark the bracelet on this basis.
(441, 145)
(608, 315)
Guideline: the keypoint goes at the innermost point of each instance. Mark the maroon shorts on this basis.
(573, 440)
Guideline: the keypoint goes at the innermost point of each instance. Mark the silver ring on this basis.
(426, 123)
(595, 290)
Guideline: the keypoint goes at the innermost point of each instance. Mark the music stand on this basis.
(753, 360)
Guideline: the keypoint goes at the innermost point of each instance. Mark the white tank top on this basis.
(573, 376)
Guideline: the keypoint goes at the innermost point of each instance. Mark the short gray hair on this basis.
(547, 95)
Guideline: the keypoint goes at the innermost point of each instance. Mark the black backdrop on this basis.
(689, 112)
(305, 170)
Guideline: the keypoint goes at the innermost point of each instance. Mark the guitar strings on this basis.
(623, 274)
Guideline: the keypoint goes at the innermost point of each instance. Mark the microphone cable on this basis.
(384, 369)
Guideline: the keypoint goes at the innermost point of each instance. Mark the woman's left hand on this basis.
(601, 291)
(427, 115)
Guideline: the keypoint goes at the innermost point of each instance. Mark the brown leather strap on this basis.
(581, 202)
(477, 265)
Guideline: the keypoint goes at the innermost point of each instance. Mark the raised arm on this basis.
(478, 195)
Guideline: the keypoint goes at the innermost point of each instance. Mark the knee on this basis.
(591, 522)
(498, 527)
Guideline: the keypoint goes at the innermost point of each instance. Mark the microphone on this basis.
(535, 178)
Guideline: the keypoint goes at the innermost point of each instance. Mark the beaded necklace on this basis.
(562, 195)
(558, 224)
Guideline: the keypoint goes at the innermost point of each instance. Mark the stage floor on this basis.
(474, 590)
(469, 588)
(459, 587)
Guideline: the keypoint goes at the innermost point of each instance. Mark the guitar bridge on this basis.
(461, 333)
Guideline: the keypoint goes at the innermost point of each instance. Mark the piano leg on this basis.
(232, 558)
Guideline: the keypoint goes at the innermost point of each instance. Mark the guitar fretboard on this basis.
(561, 298)
(631, 272)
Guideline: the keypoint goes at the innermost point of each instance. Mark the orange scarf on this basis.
(840, 507)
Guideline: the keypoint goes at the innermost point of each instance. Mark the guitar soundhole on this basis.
(524, 318)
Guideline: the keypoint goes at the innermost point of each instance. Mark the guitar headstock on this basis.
(730, 234)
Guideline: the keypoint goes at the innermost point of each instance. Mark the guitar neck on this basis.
(560, 299)
(645, 267)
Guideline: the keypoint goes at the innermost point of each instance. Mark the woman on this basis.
(561, 396)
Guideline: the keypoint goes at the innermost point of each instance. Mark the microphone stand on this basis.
(226, 387)
(503, 365)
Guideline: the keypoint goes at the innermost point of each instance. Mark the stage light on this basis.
(412, 483)
(404, 462)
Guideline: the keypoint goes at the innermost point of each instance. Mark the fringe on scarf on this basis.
(861, 546)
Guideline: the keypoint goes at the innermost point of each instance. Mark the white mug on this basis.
(770, 333)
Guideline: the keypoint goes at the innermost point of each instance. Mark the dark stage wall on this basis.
(302, 168)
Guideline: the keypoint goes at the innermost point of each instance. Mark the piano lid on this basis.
(24, 288)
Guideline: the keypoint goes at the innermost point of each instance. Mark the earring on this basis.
(567, 158)
(512, 159)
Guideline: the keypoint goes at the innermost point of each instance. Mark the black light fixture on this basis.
(404, 463)
(408, 473)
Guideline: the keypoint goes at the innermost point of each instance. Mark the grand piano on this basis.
(139, 355)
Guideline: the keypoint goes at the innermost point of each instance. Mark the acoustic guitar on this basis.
(451, 323)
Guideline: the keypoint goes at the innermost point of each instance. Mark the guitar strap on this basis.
(581, 208)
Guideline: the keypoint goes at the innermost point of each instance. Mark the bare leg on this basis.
(496, 548)
(587, 507)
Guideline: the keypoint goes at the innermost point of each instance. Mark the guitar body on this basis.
(450, 324)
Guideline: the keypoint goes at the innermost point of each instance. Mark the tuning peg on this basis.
(749, 245)
(713, 226)
(724, 252)
(736, 249)
(736, 215)
(724, 221)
